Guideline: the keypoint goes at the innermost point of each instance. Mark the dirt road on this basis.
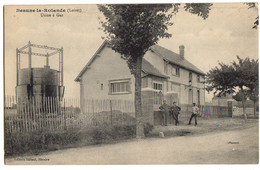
(230, 147)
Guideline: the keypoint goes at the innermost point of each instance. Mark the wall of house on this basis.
(179, 84)
(99, 73)
(155, 60)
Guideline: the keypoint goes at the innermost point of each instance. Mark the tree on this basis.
(132, 29)
(254, 5)
(237, 78)
(239, 96)
(253, 95)
(253, 85)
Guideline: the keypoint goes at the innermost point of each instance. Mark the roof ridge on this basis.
(175, 58)
(166, 49)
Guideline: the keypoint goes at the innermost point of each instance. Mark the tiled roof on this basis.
(174, 58)
(148, 68)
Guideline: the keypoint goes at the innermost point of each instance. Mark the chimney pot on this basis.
(181, 51)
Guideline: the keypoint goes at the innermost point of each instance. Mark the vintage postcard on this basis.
(131, 84)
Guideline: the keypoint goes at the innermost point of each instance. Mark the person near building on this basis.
(194, 113)
(165, 108)
(174, 113)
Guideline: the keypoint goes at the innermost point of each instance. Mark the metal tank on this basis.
(45, 82)
(41, 82)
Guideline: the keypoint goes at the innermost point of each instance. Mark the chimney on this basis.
(181, 51)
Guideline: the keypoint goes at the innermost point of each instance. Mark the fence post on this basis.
(33, 111)
(111, 111)
(49, 114)
(65, 121)
(54, 113)
(36, 112)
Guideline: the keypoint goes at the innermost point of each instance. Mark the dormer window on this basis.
(175, 71)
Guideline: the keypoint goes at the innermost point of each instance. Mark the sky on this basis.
(226, 33)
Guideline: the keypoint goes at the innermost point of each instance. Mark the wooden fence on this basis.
(50, 113)
(115, 112)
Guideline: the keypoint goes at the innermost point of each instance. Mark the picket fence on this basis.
(50, 113)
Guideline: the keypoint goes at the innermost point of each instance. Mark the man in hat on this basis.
(175, 111)
(165, 108)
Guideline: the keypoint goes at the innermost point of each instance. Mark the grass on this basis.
(17, 144)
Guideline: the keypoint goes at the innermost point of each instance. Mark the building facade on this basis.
(169, 75)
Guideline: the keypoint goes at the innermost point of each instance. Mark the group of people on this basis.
(172, 113)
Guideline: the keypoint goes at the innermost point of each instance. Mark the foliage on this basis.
(226, 78)
(201, 9)
(147, 128)
(132, 29)
(41, 141)
(253, 94)
(246, 72)
(239, 96)
(254, 5)
(239, 78)
(221, 80)
(20, 143)
(112, 133)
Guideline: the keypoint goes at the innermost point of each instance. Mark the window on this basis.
(101, 88)
(158, 95)
(175, 71)
(190, 99)
(190, 77)
(198, 78)
(157, 86)
(119, 87)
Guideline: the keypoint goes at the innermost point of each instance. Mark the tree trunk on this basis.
(138, 99)
(254, 108)
(243, 104)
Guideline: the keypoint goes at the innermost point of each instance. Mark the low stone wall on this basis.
(238, 111)
(205, 112)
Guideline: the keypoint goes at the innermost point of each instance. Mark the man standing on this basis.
(165, 112)
(195, 111)
(175, 110)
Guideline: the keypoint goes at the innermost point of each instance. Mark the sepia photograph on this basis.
(131, 84)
